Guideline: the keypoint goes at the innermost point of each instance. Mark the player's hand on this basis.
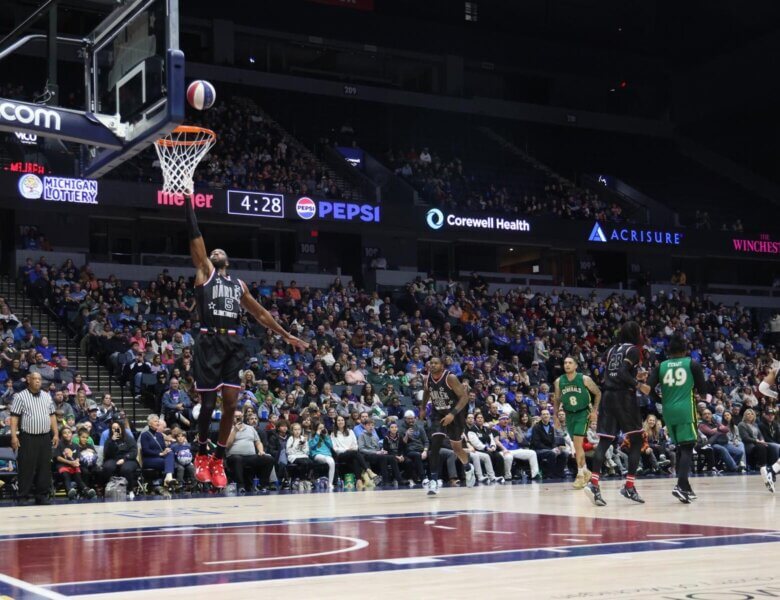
(448, 418)
(296, 343)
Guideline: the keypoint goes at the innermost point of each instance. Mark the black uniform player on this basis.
(219, 354)
(619, 410)
(448, 400)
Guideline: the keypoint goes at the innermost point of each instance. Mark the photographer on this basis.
(246, 457)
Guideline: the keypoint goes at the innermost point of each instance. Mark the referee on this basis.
(33, 434)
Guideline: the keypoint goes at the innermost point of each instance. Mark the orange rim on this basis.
(208, 137)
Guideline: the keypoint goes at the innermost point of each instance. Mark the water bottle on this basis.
(131, 495)
(256, 483)
(340, 484)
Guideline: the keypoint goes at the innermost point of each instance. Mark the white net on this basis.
(180, 152)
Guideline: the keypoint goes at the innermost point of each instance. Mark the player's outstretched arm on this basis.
(266, 320)
(200, 258)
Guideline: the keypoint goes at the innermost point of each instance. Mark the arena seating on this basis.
(507, 347)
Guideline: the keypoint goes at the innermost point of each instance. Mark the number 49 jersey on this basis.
(677, 383)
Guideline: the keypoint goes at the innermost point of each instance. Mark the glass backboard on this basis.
(134, 77)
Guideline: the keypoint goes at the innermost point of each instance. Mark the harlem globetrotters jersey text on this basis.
(219, 302)
(441, 395)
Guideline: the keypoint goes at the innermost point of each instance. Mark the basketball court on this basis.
(540, 541)
(531, 541)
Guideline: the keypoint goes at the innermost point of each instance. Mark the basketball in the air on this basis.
(201, 94)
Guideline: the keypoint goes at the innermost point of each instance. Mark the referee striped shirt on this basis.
(34, 411)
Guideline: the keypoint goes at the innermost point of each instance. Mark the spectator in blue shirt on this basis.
(45, 349)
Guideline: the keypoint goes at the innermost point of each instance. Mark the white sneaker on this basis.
(425, 483)
(500, 480)
(433, 487)
(769, 480)
(484, 481)
(471, 479)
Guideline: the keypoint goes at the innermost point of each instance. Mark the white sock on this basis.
(776, 467)
(580, 471)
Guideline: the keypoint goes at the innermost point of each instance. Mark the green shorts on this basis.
(577, 422)
(682, 432)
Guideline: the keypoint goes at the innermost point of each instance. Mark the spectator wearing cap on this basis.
(416, 441)
(770, 429)
(96, 426)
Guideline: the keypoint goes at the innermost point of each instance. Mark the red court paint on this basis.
(149, 553)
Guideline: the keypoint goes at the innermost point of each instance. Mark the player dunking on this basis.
(679, 376)
(619, 410)
(449, 399)
(573, 392)
(219, 353)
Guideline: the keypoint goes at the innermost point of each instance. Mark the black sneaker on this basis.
(594, 493)
(691, 494)
(631, 494)
(73, 493)
(681, 495)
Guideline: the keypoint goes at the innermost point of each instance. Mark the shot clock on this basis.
(255, 204)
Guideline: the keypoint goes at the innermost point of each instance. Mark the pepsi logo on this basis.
(306, 208)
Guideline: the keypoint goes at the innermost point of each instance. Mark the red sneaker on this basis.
(203, 468)
(218, 477)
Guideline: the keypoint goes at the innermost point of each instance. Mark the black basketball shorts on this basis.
(618, 411)
(454, 431)
(217, 359)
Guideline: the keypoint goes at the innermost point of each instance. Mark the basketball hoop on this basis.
(179, 152)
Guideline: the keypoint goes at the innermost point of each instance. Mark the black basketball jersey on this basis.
(219, 301)
(616, 356)
(441, 394)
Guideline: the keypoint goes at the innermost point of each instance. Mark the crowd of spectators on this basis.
(349, 409)
(253, 153)
(448, 184)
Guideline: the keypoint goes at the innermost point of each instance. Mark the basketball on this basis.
(201, 95)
